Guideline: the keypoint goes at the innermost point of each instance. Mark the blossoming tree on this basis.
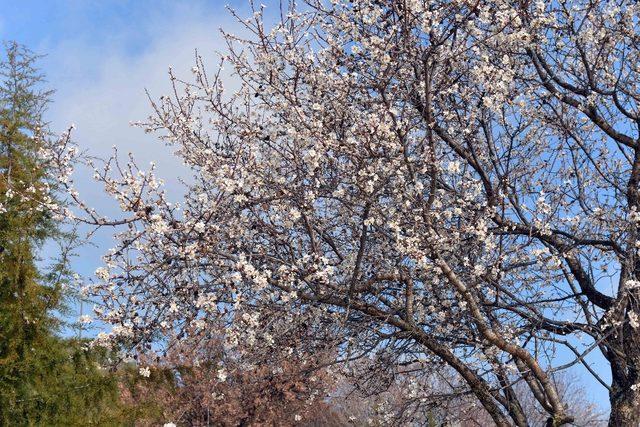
(448, 182)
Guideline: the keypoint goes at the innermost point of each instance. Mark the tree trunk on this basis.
(625, 407)
(625, 385)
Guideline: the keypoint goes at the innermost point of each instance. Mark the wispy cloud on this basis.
(100, 87)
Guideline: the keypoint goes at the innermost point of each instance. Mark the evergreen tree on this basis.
(44, 379)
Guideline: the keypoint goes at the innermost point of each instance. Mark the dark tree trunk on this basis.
(625, 408)
(625, 368)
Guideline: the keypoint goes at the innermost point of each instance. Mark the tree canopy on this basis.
(437, 183)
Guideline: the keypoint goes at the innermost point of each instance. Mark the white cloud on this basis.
(101, 89)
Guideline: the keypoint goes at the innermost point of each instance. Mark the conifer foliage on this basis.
(44, 379)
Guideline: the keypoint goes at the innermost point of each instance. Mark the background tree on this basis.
(201, 381)
(44, 379)
(187, 388)
(450, 182)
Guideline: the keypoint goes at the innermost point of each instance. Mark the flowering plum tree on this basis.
(449, 182)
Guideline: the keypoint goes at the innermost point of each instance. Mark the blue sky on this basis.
(101, 23)
(102, 55)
